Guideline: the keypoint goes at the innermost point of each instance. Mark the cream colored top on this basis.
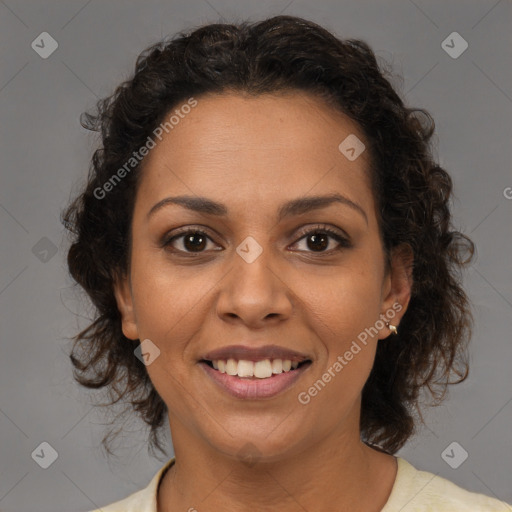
(413, 491)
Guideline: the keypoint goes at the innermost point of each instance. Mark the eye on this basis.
(318, 239)
(190, 240)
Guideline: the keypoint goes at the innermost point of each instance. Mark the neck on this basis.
(340, 469)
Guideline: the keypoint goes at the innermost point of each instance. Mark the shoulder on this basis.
(144, 500)
(136, 502)
(421, 491)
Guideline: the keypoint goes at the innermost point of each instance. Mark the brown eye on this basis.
(194, 241)
(318, 240)
(189, 241)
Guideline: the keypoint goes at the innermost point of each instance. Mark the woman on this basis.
(268, 242)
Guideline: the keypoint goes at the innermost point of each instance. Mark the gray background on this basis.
(45, 153)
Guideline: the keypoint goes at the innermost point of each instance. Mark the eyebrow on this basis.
(288, 209)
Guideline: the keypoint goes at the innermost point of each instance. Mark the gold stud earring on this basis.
(392, 328)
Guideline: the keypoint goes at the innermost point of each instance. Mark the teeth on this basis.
(245, 368)
(277, 366)
(261, 369)
(231, 367)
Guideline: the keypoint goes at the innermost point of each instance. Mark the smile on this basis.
(259, 369)
(254, 379)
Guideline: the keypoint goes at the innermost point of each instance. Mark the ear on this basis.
(124, 299)
(397, 287)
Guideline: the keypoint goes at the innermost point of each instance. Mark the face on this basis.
(259, 278)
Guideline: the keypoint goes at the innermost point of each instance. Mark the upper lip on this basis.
(254, 353)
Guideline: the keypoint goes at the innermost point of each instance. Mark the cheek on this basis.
(170, 309)
(161, 316)
(344, 326)
(344, 317)
(163, 297)
(347, 301)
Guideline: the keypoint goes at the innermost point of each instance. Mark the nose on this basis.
(254, 292)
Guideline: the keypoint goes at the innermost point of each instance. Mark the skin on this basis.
(268, 149)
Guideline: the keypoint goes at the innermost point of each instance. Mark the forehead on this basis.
(234, 147)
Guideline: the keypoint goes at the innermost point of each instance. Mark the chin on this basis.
(254, 445)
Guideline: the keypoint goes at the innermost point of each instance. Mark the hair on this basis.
(412, 193)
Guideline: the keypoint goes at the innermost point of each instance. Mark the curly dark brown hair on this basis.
(411, 190)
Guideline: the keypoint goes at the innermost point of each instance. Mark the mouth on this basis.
(249, 373)
(262, 369)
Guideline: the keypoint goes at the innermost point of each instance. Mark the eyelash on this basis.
(321, 229)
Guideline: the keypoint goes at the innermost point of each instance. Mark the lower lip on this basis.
(255, 388)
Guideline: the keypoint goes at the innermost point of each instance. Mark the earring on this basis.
(392, 328)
